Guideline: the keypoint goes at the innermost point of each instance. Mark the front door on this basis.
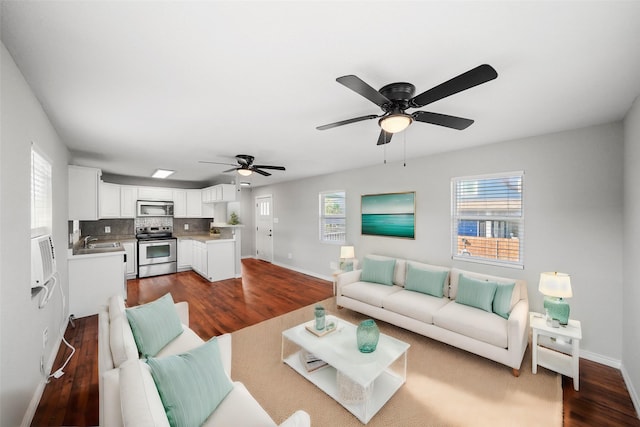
(264, 229)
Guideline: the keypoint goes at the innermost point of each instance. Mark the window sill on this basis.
(505, 264)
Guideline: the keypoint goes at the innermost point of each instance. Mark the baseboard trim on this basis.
(603, 360)
(631, 389)
(307, 272)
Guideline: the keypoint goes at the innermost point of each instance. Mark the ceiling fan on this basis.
(396, 98)
(246, 167)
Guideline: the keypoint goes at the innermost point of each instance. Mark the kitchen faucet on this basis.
(89, 239)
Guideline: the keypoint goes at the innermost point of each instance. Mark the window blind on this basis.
(41, 199)
(333, 217)
(488, 219)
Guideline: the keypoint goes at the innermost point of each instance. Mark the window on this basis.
(40, 194)
(333, 221)
(488, 219)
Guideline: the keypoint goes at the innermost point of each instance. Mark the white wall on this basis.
(573, 218)
(631, 290)
(22, 323)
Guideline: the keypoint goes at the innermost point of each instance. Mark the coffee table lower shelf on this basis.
(325, 379)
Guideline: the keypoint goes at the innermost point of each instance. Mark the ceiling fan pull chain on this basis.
(384, 150)
(404, 154)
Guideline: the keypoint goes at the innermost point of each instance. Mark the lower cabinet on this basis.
(93, 279)
(214, 260)
(131, 249)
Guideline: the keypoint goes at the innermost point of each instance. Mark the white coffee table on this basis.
(381, 373)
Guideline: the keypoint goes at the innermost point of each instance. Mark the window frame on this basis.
(41, 207)
(322, 217)
(518, 220)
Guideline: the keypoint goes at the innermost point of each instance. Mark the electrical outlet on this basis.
(107, 229)
(45, 337)
(333, 265)
(186, 227)
(289, 256)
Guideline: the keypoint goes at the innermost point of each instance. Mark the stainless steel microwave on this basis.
(153, 208)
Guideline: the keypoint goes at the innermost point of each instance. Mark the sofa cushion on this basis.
(186, 341)
(426, 280)
(121, 341)
(370, 293)
(399, 273)
(502, 299)
(192, 384)
(473, 323)
(139, 398)
(378, 271)
(476, 293)
(154, 324)
(416, 305)
(239, 408)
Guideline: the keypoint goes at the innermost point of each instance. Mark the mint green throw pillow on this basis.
(476, 293)
(378, 271)
(428, 282)
(191, 385)
(154, 325)
(502, 299)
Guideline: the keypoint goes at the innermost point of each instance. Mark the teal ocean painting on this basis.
(391, 214)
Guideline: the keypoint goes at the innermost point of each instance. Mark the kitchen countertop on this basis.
(79, 250)
(201, 237)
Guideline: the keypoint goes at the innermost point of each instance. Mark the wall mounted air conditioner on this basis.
(43, 260)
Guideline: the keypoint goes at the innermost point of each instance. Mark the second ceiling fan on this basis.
(395, 98)
(246, 167)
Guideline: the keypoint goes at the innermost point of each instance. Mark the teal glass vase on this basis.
(367, 336)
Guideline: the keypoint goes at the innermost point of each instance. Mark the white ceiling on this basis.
(135, 86)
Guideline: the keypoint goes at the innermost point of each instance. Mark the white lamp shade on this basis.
(347, 252)
(244, 172)
(555, 284)
(395, 122)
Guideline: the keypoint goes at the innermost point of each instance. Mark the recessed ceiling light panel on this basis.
(162, 173)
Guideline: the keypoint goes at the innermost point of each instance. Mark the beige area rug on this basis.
(445, 386)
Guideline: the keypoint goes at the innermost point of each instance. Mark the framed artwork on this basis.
(389, 214)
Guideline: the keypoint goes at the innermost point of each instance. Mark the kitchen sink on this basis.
(103, 245)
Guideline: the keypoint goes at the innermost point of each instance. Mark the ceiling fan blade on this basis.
(261, 172)
(442, 120)
(216, 163)
(279, 168)
(474, 77)
(229, 170)
(357, 85)
(384, 138)
(346, 122)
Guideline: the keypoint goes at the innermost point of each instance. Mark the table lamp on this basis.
(347, 254)
(556, 286)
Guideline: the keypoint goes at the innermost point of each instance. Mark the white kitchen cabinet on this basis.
(199, 258)
(194, 204)
(83, 184)
(185, 254)
(179, 203)
(128, 198)
(155, 193)
(187, 203)
(219, 193)
(93, 279)
(208, 194)
(109, 197)
(221, 257)
(131, 250)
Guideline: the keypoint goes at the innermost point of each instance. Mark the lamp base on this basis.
(557, 308)
(346, 264)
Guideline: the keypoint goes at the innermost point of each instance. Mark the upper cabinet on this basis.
(155, 193)
(219, 193)
(109, 197)
(128, 198)
(187, 203)
(83, 193)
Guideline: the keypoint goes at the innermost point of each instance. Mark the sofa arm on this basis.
(224, 343)
(183, 312)
(517, 328)
(110, 411)
(347, 278)
(298, 419)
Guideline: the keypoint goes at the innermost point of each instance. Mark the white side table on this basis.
(558, 348)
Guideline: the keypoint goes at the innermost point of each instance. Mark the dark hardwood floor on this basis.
(266, 291)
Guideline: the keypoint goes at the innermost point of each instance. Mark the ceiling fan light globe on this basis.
(244, 172)
(395, 123)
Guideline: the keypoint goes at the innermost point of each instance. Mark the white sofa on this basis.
(128, 395)
(472, 329)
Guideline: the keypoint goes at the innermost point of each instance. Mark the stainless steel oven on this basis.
(157, 253)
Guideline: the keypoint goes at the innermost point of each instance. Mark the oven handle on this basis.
(158, 243)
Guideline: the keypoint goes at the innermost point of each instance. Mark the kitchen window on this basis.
(487, 220)
(333, 220)
(41, 199)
